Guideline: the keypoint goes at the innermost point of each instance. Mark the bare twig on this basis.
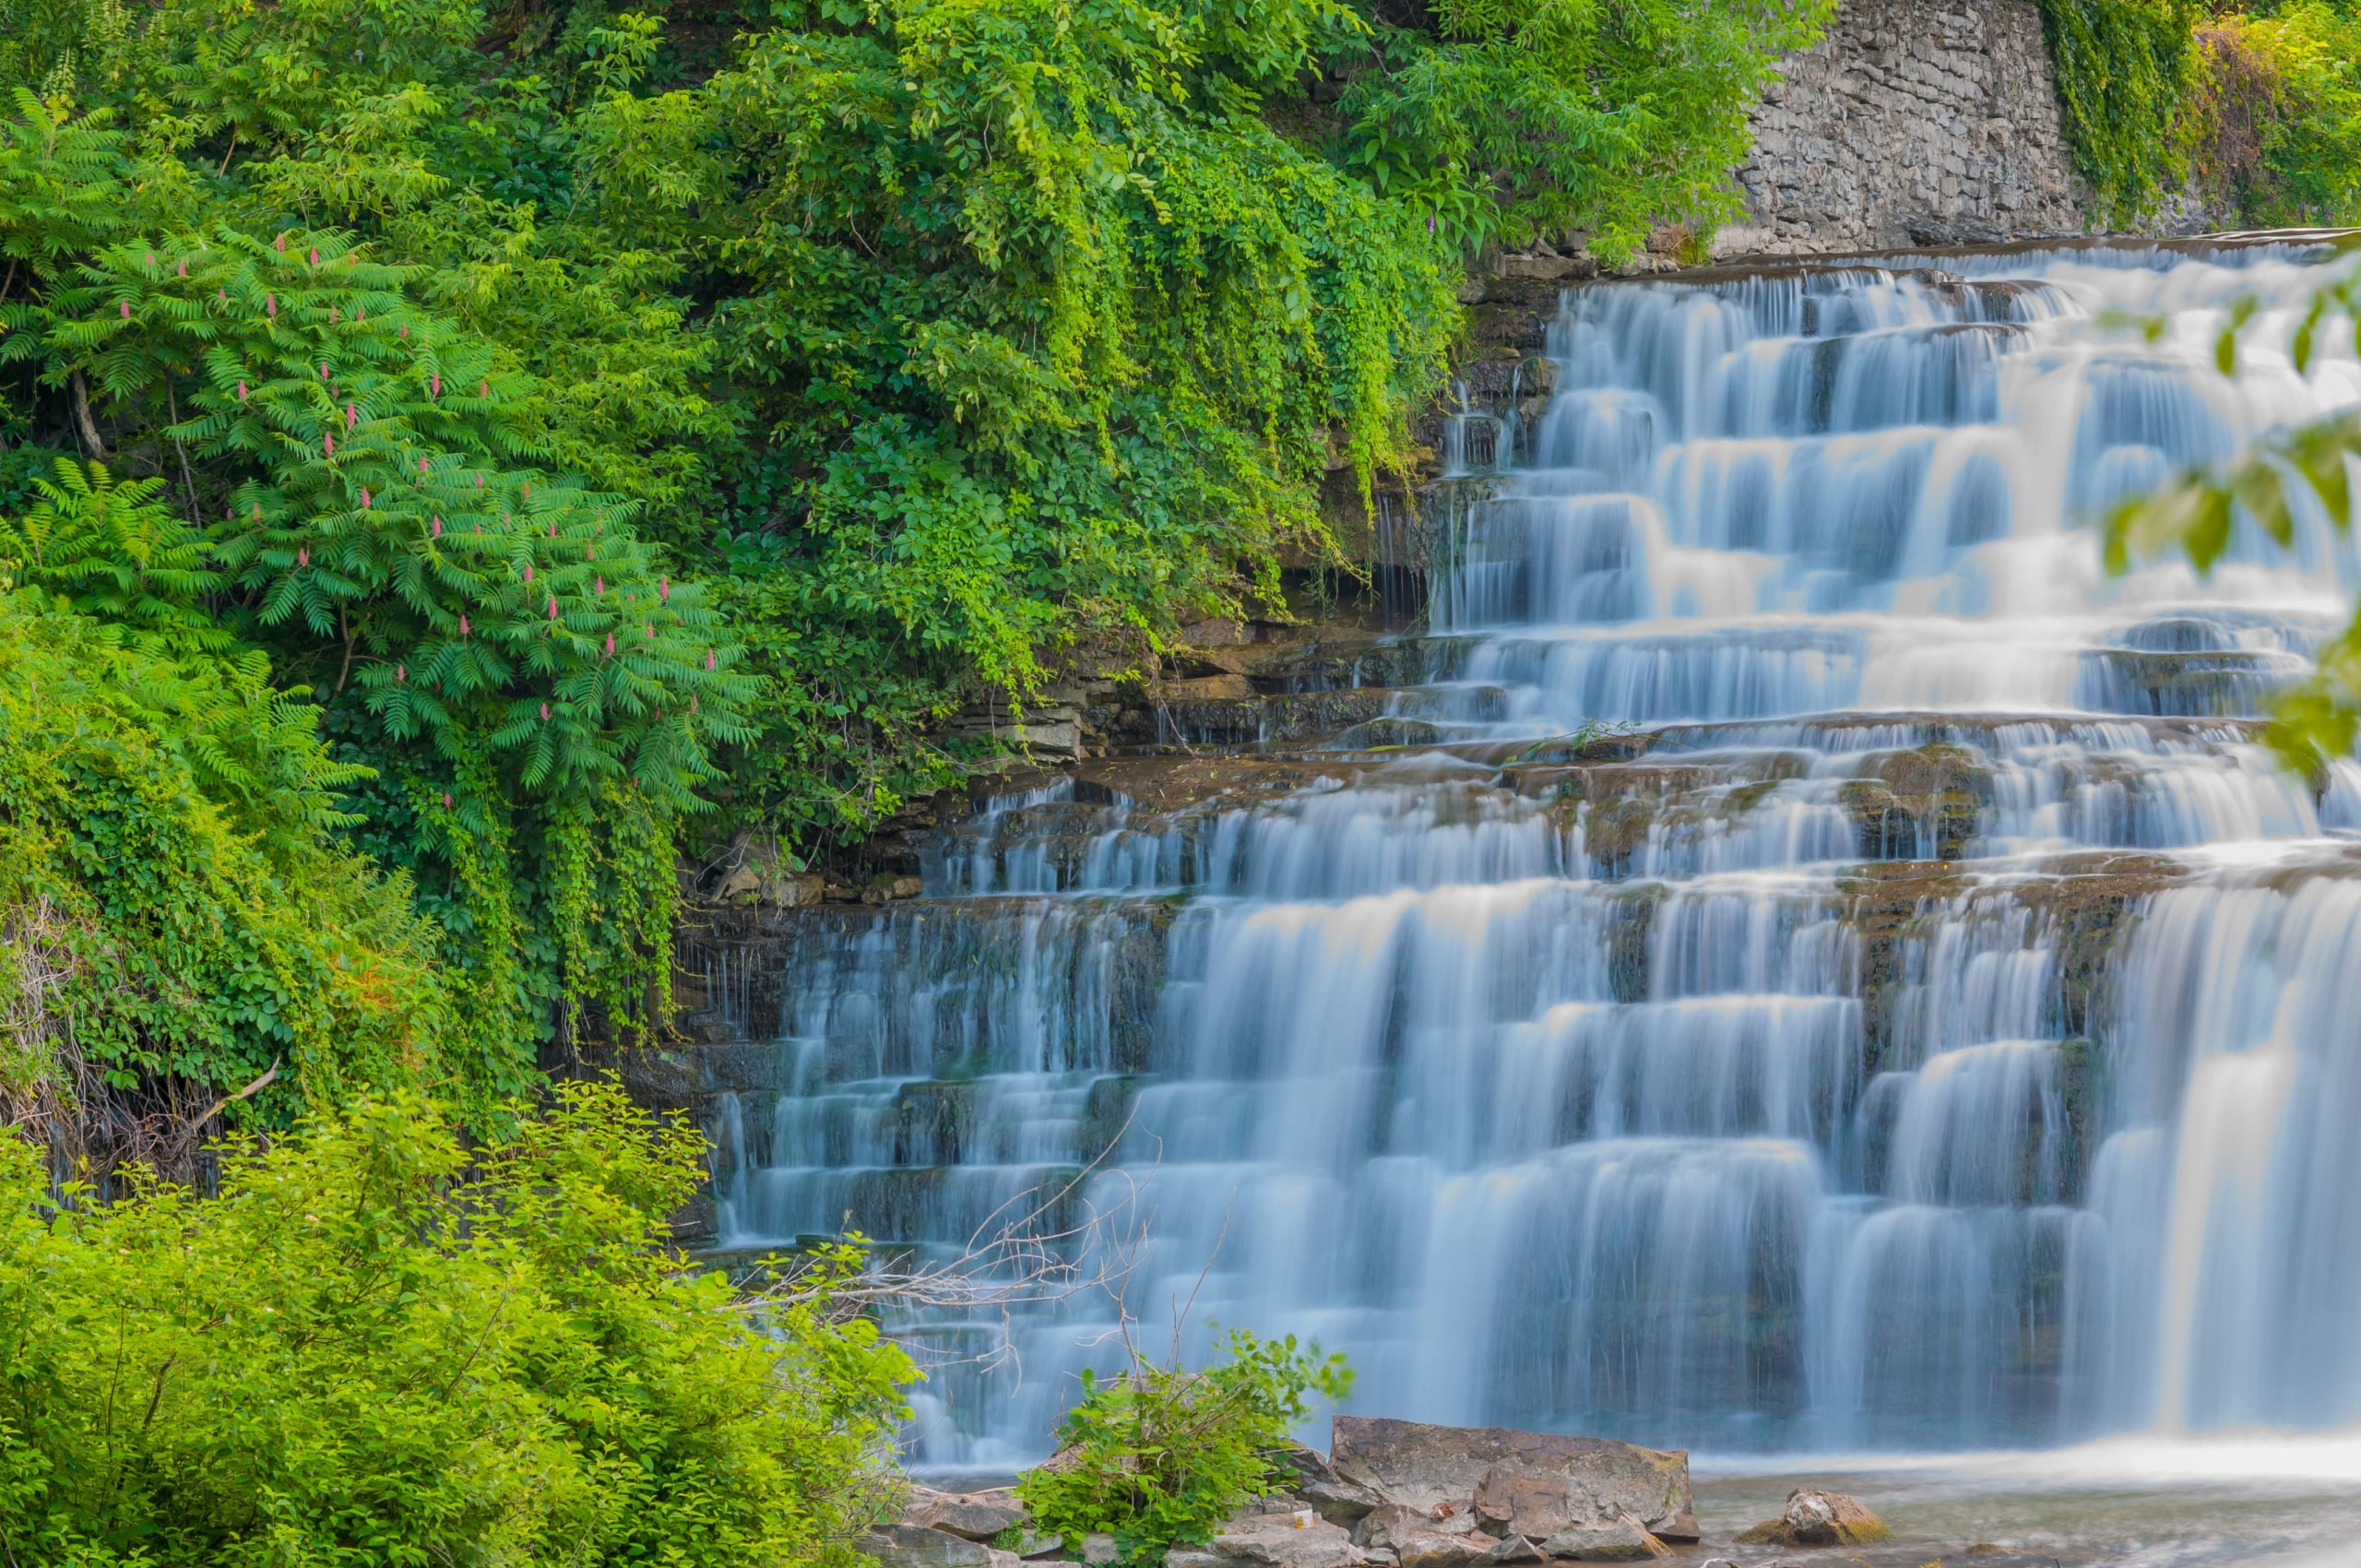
(188, 480)
(269, 1074)
(55, 1096)
(1026, 1253)
(1181, 1310)
(82, 417)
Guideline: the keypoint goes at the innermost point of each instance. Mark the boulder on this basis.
(1619, 1541)
(1531, 1484)
(1815, 1518)
(1032, 1543)
(1389, 1524)
(1542, 264)
(1304, 1463)
(915, 1546)
(1292, 1540)
(1434, 1549)
(1513, 1549)
(978, 1516)
(1098, 1549)
(1526, 1503)
(1338, 1501)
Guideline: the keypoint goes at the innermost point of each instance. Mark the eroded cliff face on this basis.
(1912, 122)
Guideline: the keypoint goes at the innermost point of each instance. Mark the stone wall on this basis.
(1912, 122)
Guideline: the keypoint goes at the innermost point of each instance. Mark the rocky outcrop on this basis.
(1570, 1496)
(1294, 1538)
(1390, 1494)
(977, 1515)
(1813, 1517)
(1911, 123)
(915, 1546)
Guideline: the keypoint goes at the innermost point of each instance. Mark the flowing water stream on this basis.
(1932, 1024)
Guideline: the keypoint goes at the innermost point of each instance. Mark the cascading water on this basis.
(1932, 1023)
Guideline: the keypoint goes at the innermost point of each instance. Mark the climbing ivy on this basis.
(2256, 114)
(172, 924)
(2124, 71)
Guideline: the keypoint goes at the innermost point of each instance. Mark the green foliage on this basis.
(1047, 331)
(377, 1346)
(1161, 1457)
(2124, 70)
(2197, 514)
(173, 918)
(118, 555)
(2258, 111)
(605, 428)
(2275, 125)
(1511, 123)
(497, 641)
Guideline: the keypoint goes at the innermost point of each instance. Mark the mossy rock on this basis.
(1815, 1518)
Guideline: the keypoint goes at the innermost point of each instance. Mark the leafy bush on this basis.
(1512, 122)
(352, 468)
(2124, 71)
(1161, 1457)
(379, 1346)
(624, 436)
(2257, 112)
(174, 920)
(2275, 121)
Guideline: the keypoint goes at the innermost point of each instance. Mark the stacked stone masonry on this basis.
(1912, 123)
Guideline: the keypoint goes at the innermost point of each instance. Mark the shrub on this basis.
(1161, 1457)
(2124, 69)
(175, 919)
(2258, 110)
(377, 1346)
(2274, 122)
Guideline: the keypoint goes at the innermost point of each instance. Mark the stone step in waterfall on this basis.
(1797, 957)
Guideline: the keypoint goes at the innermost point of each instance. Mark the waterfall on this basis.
(1933, 1023)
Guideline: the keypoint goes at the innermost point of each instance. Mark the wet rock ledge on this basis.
(1390, 1495)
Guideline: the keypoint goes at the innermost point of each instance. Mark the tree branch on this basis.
(269, 1074)
(82, 417)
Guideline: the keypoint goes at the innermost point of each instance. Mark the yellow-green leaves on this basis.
(2225, 344)
(380, 1344)
(119, 553)
(2196, 515)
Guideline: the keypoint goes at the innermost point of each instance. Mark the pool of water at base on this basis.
(2146, 1502)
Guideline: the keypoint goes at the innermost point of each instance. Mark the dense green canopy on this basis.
(615, 429)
